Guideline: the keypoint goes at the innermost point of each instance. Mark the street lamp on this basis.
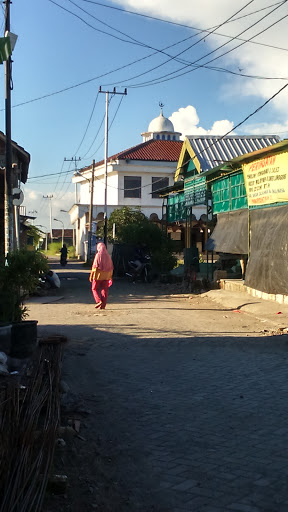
(57, 220)
(73, 229)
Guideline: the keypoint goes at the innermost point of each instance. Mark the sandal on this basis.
(98, 305)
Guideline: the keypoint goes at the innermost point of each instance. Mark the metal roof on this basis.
(235, 163)
(214, 150)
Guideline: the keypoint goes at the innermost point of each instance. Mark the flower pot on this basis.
(23, 339)
(5, 337)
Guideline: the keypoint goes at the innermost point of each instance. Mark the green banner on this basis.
(195, 190)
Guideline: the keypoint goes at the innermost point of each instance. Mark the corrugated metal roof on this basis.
(214, 150)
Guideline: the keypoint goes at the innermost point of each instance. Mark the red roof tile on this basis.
(151, 150)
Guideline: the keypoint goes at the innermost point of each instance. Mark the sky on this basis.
(211, 64)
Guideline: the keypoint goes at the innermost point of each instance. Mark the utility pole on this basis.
(74, 159)
(91, 211)
(9, 217)
(50, 199)
(106, 154)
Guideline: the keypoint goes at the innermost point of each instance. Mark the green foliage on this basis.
(71, 251)
(150, 235)
(122, 217)
(35, 233)
(163, 260)
(54, 248)
(18, 278)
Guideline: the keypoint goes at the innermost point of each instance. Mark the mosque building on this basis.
(133, 178)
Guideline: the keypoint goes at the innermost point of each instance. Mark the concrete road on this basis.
(182, 401)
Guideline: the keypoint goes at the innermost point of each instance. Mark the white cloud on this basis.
(186, 121)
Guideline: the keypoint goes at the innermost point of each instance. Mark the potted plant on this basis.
(19, 277)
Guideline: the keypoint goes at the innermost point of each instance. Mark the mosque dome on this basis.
(160, 128)
(161, 124)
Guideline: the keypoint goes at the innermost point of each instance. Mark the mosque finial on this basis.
(161, 105)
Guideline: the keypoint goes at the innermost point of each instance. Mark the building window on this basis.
(157, 137)
(174, 138)
(132, 186)
(157, 184)
(168, 137)
(163, 137)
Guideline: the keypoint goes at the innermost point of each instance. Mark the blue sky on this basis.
(56, 50)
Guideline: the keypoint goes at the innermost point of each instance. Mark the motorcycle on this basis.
(63, 261)
(143, 273)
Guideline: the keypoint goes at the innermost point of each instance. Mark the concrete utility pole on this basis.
(74, 159)
(9, 216)
(91, 211)
(106, 154)
(50, 199)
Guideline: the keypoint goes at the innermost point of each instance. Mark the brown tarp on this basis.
(230, 234)
(267, 268)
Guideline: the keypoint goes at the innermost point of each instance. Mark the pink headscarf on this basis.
(102, 259)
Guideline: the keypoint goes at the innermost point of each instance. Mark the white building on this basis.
(133, 178)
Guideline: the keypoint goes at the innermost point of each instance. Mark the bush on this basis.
(19, 276)
(55, 247)
(150, 235)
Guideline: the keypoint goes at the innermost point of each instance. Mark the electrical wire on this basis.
(235, 127)
(92, 26)
(175, 57)
(110, 126)
(66, 176)
(189, 26)
(159, 79)
(213, 143)
(185, 50)
(88, 124)
(120, 68)
(107, 25)
(157, 50)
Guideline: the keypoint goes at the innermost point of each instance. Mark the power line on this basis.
(125, 11)
(92, 26)
(151, 47)
(237, 125)
(120, 68)
(189, 47)
(88, 124)
(213, 143)
(111, 124)
(159, 79)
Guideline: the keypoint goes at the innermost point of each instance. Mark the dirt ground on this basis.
(146, 378)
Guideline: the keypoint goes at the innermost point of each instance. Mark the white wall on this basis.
(115, 192)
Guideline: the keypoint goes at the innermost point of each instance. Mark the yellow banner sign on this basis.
(266, 180)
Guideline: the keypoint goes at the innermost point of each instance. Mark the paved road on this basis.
(187, 421)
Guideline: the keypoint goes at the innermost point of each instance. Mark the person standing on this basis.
(100, 275)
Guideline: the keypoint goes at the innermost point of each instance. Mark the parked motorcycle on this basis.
(143, 273)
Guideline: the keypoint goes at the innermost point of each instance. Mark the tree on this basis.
(125, 216)
(35, 233)
(133, 227)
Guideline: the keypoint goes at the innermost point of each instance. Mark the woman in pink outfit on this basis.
(101, 274)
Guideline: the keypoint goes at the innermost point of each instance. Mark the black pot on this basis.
(23, 339)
